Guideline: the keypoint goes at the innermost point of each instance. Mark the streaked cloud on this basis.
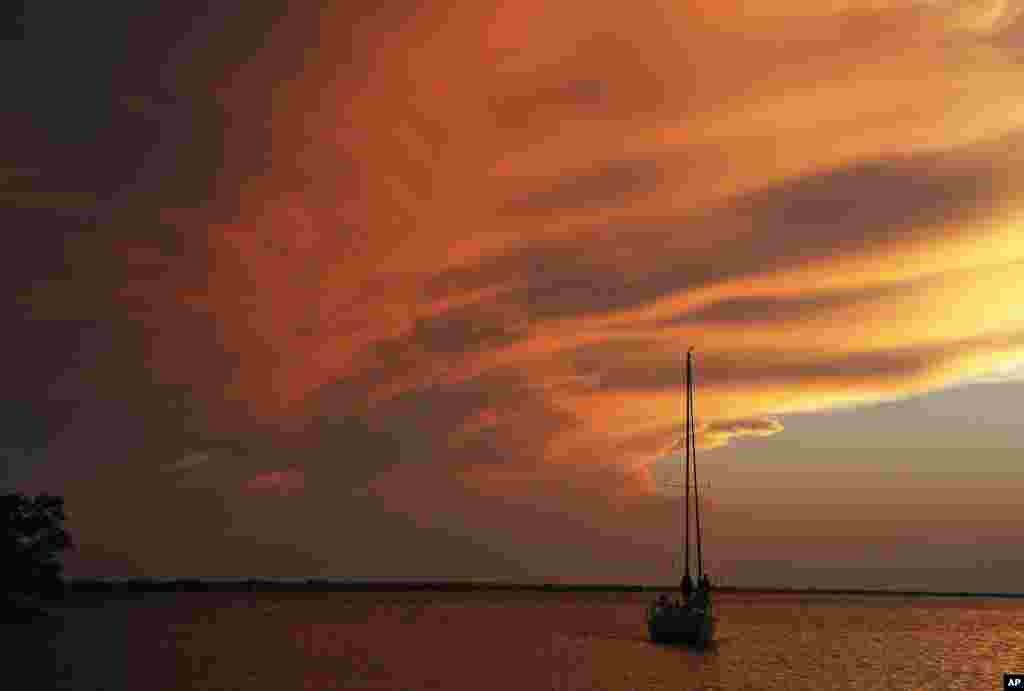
(979, 16)
(719, 433)
(283, 482)
(525, 255)
(188, 461)
(463, 247)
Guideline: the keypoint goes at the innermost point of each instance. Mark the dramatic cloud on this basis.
(452, 253)
(188, 461)
(284, 482)
(719, 433)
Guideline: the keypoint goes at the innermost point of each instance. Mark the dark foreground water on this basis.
(503, 640)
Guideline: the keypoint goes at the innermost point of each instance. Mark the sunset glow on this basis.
(460, 248)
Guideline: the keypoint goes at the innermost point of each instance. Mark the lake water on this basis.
(502, 640)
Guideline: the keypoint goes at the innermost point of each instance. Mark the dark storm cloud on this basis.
(607, 185)
(735, 368)
(517, 110)
(239, 344)
(422, 426)
(874, 207)
(101, 166)
(460, 329)
(783, 308)
(770, 368)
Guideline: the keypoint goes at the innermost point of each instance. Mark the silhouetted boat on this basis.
(691, 619)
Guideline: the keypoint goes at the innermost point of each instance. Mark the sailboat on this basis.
(689, 620)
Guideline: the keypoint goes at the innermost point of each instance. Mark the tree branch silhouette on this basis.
(33, 538)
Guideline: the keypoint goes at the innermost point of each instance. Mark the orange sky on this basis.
(459, 248)
(532, 182)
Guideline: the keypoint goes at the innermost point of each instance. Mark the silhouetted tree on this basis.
(33, 538)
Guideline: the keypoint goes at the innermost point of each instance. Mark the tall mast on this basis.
(693, 450)
(686, 468)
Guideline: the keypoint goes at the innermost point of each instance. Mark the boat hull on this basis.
(690, 626)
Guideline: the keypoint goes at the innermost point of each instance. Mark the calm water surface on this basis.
(465, 641)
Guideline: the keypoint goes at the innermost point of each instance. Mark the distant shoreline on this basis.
(323, 585)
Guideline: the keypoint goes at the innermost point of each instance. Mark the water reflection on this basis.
(497, 641)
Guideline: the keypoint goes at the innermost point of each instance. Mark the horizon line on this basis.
(370, 585)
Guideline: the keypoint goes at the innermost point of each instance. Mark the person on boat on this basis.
(686, 586)
(703, 595)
